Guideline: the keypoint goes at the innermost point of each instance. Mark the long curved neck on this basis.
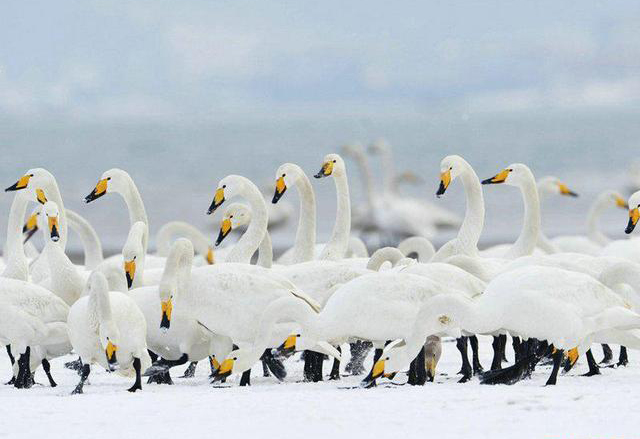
(253, 236)
(135, 206)
(177, 269)
(90, 240)
(176, 229)
(138, 233)
(367, 179)
(100, 306)
(17, 266)
(304, 245)
(386, 254)
(337, 246)
(473, 223)
(66, 282)
(593, 220)
(418, 245)
(265, 252)
(526, 242)
(546, 245)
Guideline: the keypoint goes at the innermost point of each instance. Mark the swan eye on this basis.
(450, 168)
(510, 170)
(108, 178)
(235, 358)
(334, 161)
(284, 175)
(231, 217)
(30, 175)
(224, 186)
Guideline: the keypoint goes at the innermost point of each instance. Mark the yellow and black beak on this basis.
(98, 191)
(215, 366)
(225, 369)
(30, 227)
(501, 177)
(287, 348)
(111, 353)
(218, 199)
(281, 188)
(564, 190)
(40, 196)
(621, 203)
(634, 216)
(376, 372)
(225, 229)
(53, 228)
(445, 181)
(130, 272)
(325, 171)
(210, 256)
(22, 183)
(167, 309)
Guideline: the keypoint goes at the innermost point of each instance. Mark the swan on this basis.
(120, 182)
(594, 240)
(237, 215)
(466, 242)
(627, 248)
(174, 229)
(106, 327)
(187, 340)
(389, 299)
(434, 215)
(577, 310)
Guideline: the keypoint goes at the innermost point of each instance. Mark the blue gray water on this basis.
(176, 166)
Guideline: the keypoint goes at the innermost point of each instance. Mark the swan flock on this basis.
(383, 316)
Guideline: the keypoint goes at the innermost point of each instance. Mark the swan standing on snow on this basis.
(565, 308)
(106, 327)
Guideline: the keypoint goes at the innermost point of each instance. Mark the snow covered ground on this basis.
(603, 406)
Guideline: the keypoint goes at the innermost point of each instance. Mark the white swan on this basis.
(187, 340)
(576, 308)
(106, 327)
(120, 182)
(389, 299)
(238, 215)
(421, 247)
(594, 240)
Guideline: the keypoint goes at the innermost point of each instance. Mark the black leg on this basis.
(13, 360)
(477, 367)
(24, 379)
(84, 374)
(47, 369)
(319, 363)
(608, 354)
(593, 366)
(335, 370)
(359, 351)
(274, 365)
(265, 370)
(138, 384)
(557, 359)
(466, 370)
(421, 372)
(246, 378)
(161, 378)
(74, 365)
(190, 372)
(153, 356)
(503, 346)
(515, 342)
(496, 363)
(309, 361)
(623, 360)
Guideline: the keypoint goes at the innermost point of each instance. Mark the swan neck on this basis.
(305, 241)
(90, 241)
(177, 270)
(528, 239)
(386, 254)
(593, 221)
(17, 266)
(388, 172)
(338, 244)
(100, 306)
(178, 229)
(265, 252)
(253, 236)
(473, 223)
(135, 206)
(366, 177)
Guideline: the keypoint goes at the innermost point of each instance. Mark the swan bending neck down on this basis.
(289, 175)
(237, 215)
(133, 255)
(419, 245)
(520, 175)
(236, 185)
(119, 181)
(173, 229)
(466, 242)
(336, 248)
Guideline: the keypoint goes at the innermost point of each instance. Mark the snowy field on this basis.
(604, 406)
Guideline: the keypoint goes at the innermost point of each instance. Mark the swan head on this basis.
(515, 174)
(451, 167)
(52, 214)
(553, 185)
(615, 198)
(32, 224)
(133, 251)
(379, 146)
(236, 215)
(332, 165)
(228, 187)
(165, 291)
(34, 180)
(113, 180)
(287, 175)
(239, 361)
(634, 212)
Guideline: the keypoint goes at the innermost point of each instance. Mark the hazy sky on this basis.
(189, 59)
